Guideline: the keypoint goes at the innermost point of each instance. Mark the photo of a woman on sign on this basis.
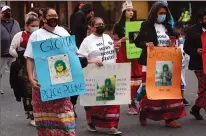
(156, 32)
(163, 75)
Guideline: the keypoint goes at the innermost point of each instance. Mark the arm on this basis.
(15, 44)
(140, 41)
(189, 46)
(30, 67)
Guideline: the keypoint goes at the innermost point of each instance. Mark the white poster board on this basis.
(107, 85)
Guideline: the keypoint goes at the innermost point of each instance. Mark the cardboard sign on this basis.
(163, 79)
(58, 68)
(132, 51)
(107, 85)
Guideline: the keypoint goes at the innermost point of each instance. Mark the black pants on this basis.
(74, 99)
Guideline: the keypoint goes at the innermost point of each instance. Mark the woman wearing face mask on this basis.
(56, 117)
(136, 71)
(194, 41)
(22, 88)
(101, 116)
(156, 32)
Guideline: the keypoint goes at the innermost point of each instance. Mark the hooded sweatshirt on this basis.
(81, 23)
(7, 33)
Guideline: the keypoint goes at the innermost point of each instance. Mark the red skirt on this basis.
(201, 100)
(53, 118)
(136, 69)
(103, 116)
(161, 109)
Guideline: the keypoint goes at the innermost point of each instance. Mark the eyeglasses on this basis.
(99, 24)
(52, 16)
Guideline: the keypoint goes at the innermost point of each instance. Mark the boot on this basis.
(195, 111)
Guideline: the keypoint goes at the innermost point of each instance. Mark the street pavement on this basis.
(14, 122)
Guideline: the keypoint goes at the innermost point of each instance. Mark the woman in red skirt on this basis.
(195, 40)
(136, 69)
(56, 117)
(155, 32)
(101, 116)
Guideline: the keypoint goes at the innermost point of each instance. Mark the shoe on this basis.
(197, 115)
(173, 124)
(91, 128)
(132, 111)
(186, 102)
(142, 118)
(1, 91)
(114, 131)
(33, 123)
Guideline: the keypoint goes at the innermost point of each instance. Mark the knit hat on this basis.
(127, 5)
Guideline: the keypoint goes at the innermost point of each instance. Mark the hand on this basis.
(117, 44)
(123, 39)
(200, 51)
(99, 63)
(34, 84)
(150, 45)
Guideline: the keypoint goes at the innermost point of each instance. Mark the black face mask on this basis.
(52, 22)
(204, 25)
(100, 30)
(7, 15)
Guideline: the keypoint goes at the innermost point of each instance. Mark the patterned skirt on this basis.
(201, 100)
(103, 116)
(160, 109)
(53, 118)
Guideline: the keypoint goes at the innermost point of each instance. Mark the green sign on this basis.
(132, 51)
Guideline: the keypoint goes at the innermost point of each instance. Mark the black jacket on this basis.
(148, 34)
(81, 24)
(192, 43)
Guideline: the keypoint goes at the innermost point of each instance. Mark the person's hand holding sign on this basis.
(150, 45)
(99, 63)
(200, 51)
(34, 84)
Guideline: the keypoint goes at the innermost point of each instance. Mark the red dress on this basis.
(136, 69)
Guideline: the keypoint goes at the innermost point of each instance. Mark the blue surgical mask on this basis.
(161, 18)
(32, 29)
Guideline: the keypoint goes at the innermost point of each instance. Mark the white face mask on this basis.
(32, 29)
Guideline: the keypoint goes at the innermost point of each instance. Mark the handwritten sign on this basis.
(203, 38)
(107, 85)
(132, 51)
(58, 68)
(163, 80)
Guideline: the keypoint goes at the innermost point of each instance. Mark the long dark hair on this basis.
(76, 8)
(45, 11)
(152, 18)
(122, 19)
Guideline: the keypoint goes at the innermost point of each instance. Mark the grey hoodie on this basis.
(6, 37)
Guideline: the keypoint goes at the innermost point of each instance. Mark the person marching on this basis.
(56, 117)
(194, 41)
(136, 69)
(100, 116)
(150, 36)
(9, 27)
(17, 49)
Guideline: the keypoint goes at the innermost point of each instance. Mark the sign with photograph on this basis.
(58, 68)
(107, 85)
(132, 30)
(163, 79)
